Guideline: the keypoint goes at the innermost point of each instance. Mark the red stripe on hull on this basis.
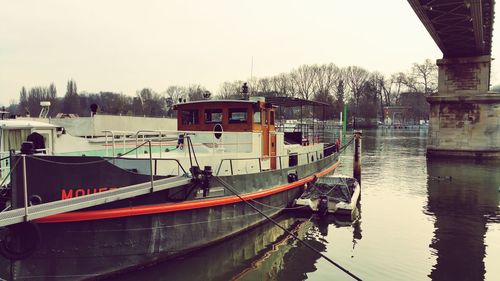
(174, 207)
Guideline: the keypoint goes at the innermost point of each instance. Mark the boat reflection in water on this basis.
(263, 253)
(463, 198)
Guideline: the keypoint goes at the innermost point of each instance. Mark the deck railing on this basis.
(39, 210)
(228, 141)
(316, 155)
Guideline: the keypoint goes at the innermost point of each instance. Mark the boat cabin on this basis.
(229, 116)
(13, 132)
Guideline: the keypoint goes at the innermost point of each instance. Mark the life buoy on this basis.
(19, 241)
(218, 130)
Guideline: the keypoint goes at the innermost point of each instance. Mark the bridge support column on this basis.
(464, 116)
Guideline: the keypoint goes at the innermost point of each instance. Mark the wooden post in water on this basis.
(356, 169)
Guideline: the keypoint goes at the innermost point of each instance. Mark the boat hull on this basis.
(91, 249)
(91, 244)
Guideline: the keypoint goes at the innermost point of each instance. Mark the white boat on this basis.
(336, 194)
(51, 139)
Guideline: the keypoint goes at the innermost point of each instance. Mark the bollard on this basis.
(356, 169)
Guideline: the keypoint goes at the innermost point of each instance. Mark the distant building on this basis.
(413, 109)
(418, 103)
(397, 115)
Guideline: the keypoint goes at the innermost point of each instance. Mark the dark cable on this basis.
(189, 150)
(194, 153)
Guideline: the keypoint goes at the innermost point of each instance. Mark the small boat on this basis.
(337, 194)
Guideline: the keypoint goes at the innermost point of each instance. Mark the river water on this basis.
(420, 219)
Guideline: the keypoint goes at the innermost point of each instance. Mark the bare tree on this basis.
(356, 77)
(198, 92)
(174, 93)
(398, 83)
(152, 103)
(423, 77)
(281, 85)
(378, 82)
(263, 87)
(327, 77)
(303, 82)
(230, 90)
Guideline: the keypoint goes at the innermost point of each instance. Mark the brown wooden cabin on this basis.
(233, 115)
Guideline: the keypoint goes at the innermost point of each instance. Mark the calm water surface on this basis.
(420, 219)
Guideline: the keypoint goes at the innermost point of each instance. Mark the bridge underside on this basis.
(465, 116)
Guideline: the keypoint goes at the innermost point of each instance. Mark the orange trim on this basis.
(174, 207)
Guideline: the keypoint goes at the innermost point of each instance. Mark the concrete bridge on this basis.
(464, 115)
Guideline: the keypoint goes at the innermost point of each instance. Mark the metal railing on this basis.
(153, 171)
(171, 137)
(30, 211)
(319, 154)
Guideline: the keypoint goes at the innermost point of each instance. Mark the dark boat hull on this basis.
(84, 245)
(96, 248)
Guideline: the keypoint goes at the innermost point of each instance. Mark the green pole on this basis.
(344, 127)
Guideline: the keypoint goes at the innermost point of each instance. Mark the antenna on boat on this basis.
(251, 76)
(45, 109)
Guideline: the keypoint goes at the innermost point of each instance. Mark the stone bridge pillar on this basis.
(464, 116)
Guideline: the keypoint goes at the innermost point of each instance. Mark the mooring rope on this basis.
(230, 188)
(4, 158)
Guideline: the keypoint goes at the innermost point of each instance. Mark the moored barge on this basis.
(229, 155)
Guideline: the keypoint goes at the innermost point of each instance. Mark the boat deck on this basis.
(62, 206)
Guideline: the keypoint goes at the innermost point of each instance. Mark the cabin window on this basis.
(238, 115)
(256, 117)
(272, 118)
(12, 139)
(293, 160)
(213, 116)
(189, 117)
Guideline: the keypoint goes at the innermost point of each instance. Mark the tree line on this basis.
(364, 92)
(146, 102)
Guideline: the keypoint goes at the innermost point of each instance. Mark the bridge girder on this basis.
(459, 28)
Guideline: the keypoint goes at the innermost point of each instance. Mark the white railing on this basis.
(236, 142)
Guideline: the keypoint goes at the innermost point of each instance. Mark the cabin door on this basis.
(272, 136)
(269, 137)
(265, 134)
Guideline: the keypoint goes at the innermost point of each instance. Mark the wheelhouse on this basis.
(230, 116)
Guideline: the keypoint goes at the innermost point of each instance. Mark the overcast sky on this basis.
(123, 46)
